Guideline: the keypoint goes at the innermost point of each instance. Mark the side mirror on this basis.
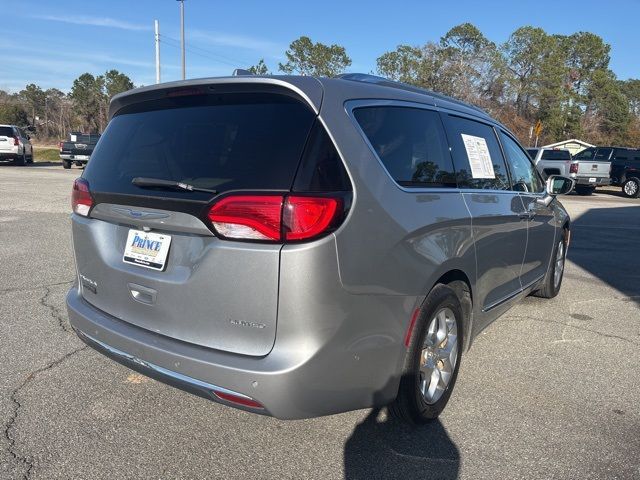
(558, 185)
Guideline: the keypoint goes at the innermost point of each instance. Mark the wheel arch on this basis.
(460, 283)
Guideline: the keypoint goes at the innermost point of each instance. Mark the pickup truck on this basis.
(625, 171)
(587, 172)
(77, 149)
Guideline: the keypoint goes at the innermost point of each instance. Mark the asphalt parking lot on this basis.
(551, 390)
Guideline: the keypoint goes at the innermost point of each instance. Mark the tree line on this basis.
(51, 114)
(562, 81)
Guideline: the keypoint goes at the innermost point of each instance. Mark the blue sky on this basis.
(52, 42)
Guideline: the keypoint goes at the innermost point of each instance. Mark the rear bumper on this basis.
(599, 181)
(9, 155)
(289, 384)
(72, 158)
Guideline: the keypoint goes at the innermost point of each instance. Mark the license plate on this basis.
(592, 180)
(81, 157)
(146, 249)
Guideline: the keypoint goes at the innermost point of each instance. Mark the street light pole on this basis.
(184, 71)
(157, 37)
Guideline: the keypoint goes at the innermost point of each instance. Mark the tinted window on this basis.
(87, 138)
(556, 155)
(532, 152)
(6, 132)
(476, 154)
(603, 154)
(411, 144)
(524, 176)
(585, 154)
(321, 169)
(222, 142)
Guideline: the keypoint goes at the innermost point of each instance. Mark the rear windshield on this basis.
(556, 155)
(6, 132)
(90, 138)
(222, 142)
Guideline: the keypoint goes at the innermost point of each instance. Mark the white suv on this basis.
(15, 145)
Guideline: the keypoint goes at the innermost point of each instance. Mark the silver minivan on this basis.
(299, 246)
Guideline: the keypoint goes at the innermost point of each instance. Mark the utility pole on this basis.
(184, 72)
(157, 28)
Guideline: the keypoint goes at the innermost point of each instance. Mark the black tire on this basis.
(30, 159)
(550, 287)
(631, 187)
(66, 164)
(585, 191)
(20, 161)
(410, 405)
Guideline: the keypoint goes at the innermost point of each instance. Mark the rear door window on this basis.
(251, 141)
(476, 154)
(602, 154)
(411, 144)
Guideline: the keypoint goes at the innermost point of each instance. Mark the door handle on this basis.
(527, 215)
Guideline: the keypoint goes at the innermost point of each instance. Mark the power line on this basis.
(173, 42)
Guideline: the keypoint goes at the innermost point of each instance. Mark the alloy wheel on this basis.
(439, 355)
(559, 267)
(631, 188)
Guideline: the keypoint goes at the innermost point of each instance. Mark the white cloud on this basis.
(94, 21)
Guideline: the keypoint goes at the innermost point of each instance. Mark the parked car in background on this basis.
(298, 246)
(78, 148)
(588, 174)
(593, 170)
(15, 145)
(625, 171)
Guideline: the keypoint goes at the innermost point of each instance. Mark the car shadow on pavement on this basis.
(383, 447)
(604, 242)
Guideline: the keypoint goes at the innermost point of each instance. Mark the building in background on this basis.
(574, 145)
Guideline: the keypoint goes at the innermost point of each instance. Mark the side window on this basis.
(585, 154)
(602, 154)
(476, 154)
(411, 144)
(524, 176)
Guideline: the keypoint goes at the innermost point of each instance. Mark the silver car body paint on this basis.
(312, 328)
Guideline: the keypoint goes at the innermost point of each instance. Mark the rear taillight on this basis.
(81, 199)
(573, 168)
(308, 217)
(274, 217)
(250, 217)
(16, 141)
(60, 146)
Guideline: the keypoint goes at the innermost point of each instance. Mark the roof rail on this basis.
(385, 82)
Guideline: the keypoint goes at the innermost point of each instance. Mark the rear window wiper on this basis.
(145, 182)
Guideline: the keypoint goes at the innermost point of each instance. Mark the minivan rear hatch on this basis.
(209, 291)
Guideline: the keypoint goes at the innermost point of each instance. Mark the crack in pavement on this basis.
(53, 310)
(19, 459)
(569, 325)
(27, 289)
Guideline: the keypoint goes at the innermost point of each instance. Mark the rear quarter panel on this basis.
(395, 241)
